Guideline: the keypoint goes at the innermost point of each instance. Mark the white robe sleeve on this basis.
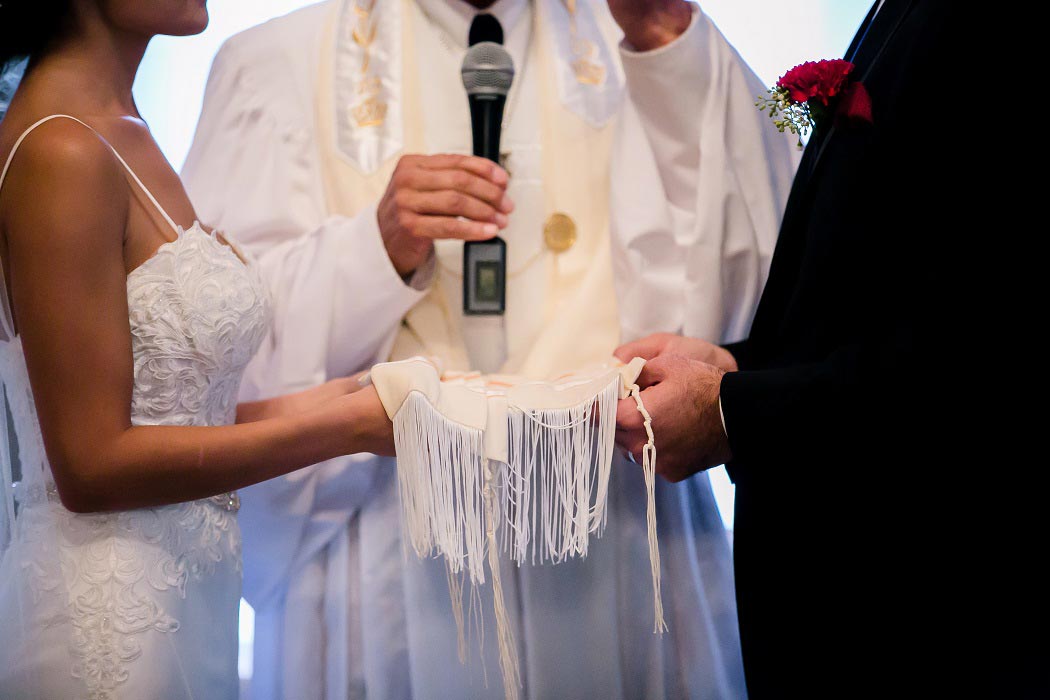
(253, 173)
(699, 182)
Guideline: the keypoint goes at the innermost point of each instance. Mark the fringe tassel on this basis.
(440, 471)
(508, 648)
(554, 494)
(455, 591)
(557, 484)
(649, 470)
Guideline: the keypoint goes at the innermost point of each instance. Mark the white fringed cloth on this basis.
(497, 462)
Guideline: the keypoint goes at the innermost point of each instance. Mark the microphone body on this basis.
(486, 119)
(488, 72)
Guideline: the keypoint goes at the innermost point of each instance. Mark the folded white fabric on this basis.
(490, 462)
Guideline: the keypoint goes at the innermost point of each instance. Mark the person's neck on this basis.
(481, 4)
(99, 65)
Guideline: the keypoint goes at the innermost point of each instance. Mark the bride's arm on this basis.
(64, 212)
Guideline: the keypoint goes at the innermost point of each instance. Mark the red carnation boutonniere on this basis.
(808, 94)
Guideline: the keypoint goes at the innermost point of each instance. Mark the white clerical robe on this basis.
(341, 611)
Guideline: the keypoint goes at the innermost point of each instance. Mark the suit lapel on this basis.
(862, 32)
(815, 148)
(867, 46)
(866, 49)
(878, 35)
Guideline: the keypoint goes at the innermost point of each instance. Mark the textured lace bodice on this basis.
(197, 314)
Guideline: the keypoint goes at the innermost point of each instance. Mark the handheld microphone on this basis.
(488, 72)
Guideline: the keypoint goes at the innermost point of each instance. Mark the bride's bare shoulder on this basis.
(62, 173)
(54, 153)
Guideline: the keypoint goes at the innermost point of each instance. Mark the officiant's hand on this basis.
(650, 24)
(440, 196)
(659, 344)
(681, 395)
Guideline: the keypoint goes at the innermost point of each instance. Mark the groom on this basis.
(816, 412)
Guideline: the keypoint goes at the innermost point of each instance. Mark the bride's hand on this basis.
(300, 402)
(346, 385)
(368, 428)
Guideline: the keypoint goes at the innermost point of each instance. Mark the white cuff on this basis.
(722, 415)
(371, 257)
(628, 51)
(420, 278)
(667, 84)
(365, 258)
(369, 297)
(424, 274)
(668, 88)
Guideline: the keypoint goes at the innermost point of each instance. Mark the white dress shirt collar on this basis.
(454, 17)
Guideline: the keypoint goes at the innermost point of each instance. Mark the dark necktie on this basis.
(485, 27)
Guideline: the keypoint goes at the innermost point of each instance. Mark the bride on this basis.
(124, 329)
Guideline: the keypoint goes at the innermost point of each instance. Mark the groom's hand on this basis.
(441, 196)
(650, 24)
(681, 395)
(659, 344)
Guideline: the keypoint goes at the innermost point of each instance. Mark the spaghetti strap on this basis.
(134, 177)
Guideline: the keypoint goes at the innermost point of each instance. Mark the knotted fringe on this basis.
(551, 497)
(649, 470)
(455, 591)
(508, 648)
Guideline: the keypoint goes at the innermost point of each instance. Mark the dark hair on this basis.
(29, 27)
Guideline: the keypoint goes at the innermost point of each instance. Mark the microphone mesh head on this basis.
(487, 70)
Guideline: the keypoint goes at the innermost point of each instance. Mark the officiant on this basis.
(324, 147)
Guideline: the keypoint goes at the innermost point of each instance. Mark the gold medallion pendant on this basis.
(559, 232)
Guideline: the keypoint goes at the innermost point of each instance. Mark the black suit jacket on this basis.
(837, 377)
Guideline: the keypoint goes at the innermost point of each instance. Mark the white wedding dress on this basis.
(135, 605)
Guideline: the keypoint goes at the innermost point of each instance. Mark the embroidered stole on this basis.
(579, 294)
